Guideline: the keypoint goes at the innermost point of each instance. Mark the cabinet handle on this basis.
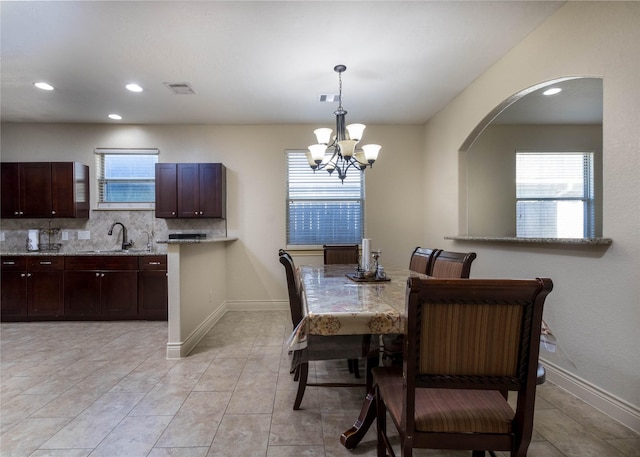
(53, 212)
(173, 213)
(29, 275)
(43, 262)
(16, 213)
(23, 275)
(8, 262)
(102, 275)
(154, 263)
(97, 275)
(200, 212)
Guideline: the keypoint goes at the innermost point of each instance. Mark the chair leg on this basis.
(354, 367)
(296, 373)
(303, 372)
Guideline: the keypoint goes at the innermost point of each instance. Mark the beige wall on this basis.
(256, 184)
(491, 167)
(594, 308)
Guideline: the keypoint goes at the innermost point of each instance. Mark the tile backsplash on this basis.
(13, 232)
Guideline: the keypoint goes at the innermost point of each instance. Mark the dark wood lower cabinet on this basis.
(152, 288)
(83, 288)
(13, 288)
(32, 287)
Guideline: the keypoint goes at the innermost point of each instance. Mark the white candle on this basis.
(366, 253)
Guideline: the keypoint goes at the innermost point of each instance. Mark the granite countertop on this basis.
(132, 252)
(196, 241)
(510, 239)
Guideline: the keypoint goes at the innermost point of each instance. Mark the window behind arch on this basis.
(555, 195)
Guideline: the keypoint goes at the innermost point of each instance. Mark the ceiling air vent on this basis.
(180, 88)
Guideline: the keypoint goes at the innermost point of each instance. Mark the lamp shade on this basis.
(317, 152)
(355, 131)
(347, 147)
(362, 160)
(371, 152)
(312, 163)
(323, 135)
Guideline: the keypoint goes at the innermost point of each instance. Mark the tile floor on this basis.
(76, 389)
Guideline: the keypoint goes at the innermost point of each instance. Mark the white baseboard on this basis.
(618, 409)
(183, 348)
(257, 305)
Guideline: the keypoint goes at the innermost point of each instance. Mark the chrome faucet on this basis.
(149, 238)
(125, 244)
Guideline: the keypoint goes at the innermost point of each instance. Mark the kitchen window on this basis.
(126, 178)
(554, 195)
(320, 208)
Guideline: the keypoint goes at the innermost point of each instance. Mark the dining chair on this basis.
(337, 347)
(449, 264)
(438, 264)
(468, 341)
(422, 260)
(341, 254)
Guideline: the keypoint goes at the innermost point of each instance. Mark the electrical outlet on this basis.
(84, 235)
(65, 235)
(1, 236)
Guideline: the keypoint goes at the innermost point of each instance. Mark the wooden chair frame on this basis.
(449, 264)
(422, 260)
(323, 347)
(510, 371)
(341, 254)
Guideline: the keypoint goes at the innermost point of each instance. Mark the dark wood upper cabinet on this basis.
(44, 189)
(166, 190)
(191, 190)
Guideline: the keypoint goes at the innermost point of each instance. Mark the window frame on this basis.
(587, 198)
(101, 181)
(335, 183)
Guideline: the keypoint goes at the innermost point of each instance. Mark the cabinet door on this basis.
(10, 190)
(212, 190)
(44, 293)
(69, 189)
(166, 190)
(35, 189)
(82, 293)
(13, 294)
(188, 190)
(119, 294)
(152, 295)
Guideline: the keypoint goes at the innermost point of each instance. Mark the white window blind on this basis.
(321, 209)
(126, 177)
(554, 195)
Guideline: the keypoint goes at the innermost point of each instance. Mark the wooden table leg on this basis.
(354, 435)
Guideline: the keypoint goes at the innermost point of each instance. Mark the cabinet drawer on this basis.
(98, 262)
(152, 262)
(37, 263)
(14, 263)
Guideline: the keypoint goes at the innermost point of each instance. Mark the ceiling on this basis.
(250, 62)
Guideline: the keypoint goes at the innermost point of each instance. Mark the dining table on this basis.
(336, 302)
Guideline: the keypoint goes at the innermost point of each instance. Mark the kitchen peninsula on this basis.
(197, 290)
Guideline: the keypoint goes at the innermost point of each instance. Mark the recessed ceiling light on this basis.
(552, 91)
(133, 87)
(43, 86)
(115, 117)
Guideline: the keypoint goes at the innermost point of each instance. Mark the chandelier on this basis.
(339, 153)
